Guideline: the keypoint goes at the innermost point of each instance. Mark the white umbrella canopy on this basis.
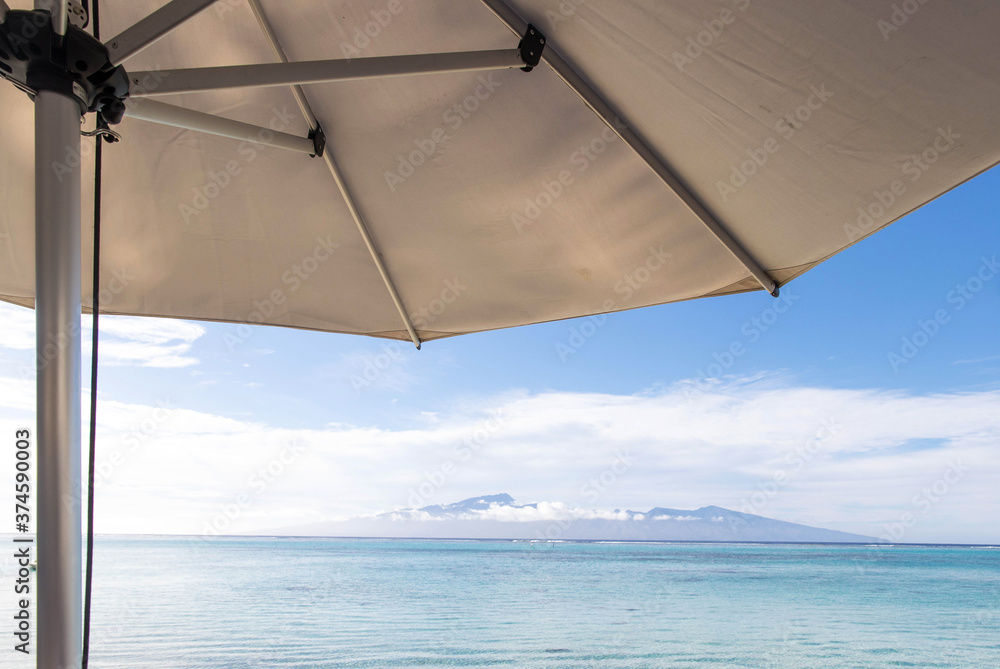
(499, 198)
(663, 151)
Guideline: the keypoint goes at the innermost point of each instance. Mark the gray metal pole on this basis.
(59, 10)
(57, 312)
(198, 79)
(180, 117)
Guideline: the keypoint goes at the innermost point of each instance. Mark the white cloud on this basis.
(125, 340)
(147, 342)
(683, 451)
(976, 360)
(543, 511)
(18, 330)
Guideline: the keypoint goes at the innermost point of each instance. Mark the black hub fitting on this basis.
(34, 58)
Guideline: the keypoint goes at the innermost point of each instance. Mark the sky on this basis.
(865, 399)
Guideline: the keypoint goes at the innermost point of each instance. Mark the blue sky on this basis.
(186, 422)
(847, 315)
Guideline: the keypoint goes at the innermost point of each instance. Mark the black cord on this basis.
(88, 580)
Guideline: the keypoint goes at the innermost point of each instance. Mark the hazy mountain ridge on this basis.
(500, 517)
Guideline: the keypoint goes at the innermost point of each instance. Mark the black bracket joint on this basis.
(104, 129)
(531, 47)
(319, 141)
(34, 58)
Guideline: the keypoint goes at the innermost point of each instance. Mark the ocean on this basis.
(164, 602)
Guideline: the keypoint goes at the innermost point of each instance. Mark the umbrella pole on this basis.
(49, 63)
(57, 313)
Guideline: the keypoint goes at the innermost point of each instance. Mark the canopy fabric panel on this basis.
(500, 199)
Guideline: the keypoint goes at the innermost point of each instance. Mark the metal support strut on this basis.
(322, 71)
(607, 113)
(179, 117)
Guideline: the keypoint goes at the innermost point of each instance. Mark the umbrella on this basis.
(419, 170)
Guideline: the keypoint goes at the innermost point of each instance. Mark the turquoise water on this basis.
(398, 603)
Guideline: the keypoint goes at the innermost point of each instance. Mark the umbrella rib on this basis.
(307, 112)
(152, 28)
(198, 79)
(593, 99)
(189, 119)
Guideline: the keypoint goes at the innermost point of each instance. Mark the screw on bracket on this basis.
(319, 141)
(531, 47)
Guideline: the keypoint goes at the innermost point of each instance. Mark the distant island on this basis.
(500, 517)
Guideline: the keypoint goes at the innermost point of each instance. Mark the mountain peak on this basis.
(500, 516)
(501, 498)
(471, 504)
(482, 502)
